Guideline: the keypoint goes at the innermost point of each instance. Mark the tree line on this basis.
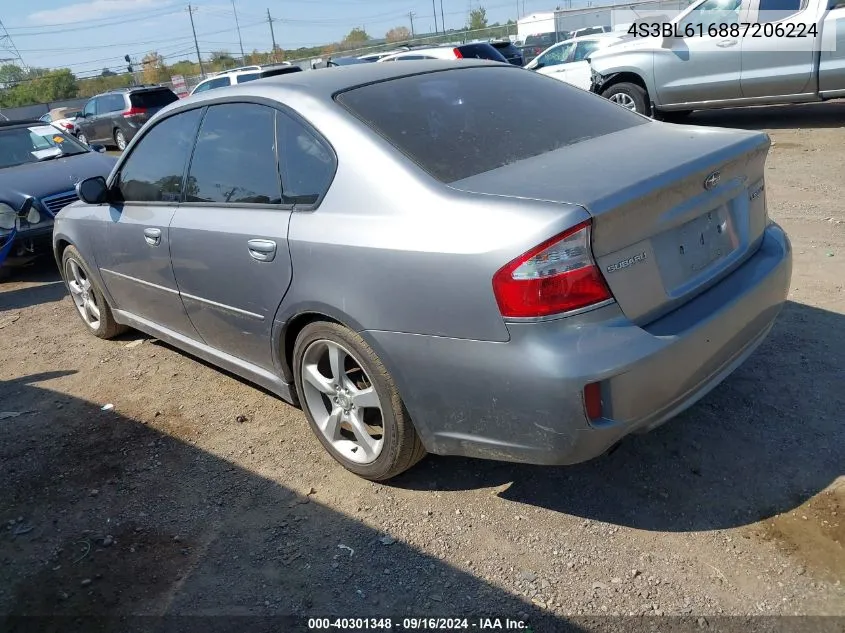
(19, 87)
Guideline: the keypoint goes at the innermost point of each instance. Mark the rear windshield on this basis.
(481, 51)
(153, 98)
(281, 71)
(462, 122)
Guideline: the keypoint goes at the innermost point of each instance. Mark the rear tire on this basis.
(120, 140)
(352, 403)
(628, 95)
(87, 296)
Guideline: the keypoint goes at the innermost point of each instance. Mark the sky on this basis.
(87, 36)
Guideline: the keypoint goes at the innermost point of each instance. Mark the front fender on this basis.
(637, 62)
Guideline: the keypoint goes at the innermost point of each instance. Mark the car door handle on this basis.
(262, 250)
(152, 236)
(726, 43)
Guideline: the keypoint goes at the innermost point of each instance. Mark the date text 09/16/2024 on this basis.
(732, 29)
(420, 624)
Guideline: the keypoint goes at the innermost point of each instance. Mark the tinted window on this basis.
(235, 156)
(446, 123)
(153, 98)
(249, 77)
(153, 172)
(110, 103)
(305, 161)
(282, 71)
(481, 51)
(90, 107)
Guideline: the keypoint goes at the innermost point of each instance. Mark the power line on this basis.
(8, 52)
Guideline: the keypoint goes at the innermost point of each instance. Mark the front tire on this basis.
(88, 297)
(352, 403)
(628, 95)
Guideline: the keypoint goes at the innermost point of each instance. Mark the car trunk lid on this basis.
(674, 208)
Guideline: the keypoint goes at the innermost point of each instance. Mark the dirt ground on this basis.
(168, 504)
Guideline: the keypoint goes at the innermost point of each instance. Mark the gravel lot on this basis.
(201, 494)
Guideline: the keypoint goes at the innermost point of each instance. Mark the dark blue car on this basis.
(41, 162)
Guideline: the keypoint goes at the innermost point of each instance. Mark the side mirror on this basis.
(536, 65)
(667, 42)
(93, 190)
(98, 148)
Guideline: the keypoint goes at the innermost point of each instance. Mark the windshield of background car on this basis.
(459, 123)
(19, 145)
(153, 98)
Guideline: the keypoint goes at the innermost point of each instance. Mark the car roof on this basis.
(326, 82)
(128, 89)
(594, 36)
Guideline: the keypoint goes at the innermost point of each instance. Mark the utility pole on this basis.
(442, 19)
(434, 11)
(272, 35)
(238, 26)
(411, 16)
(199, 57)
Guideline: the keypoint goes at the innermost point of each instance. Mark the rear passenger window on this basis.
(153, 171)
(234, 159)
(305, 161)
(112, 103)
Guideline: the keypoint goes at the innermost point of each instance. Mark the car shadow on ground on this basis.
(808, 115)
(763, 442)
(43, 283)
(104, 516)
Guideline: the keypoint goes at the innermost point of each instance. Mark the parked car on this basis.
(243, 75)
(374, 57)
(509, 51)
(40, 161)
(114, 118)
(347, 61)
(538, 42)
(408, 264)
(63, 118)
(474, 50)
(771, 63)
(591, 30)
(567, 61)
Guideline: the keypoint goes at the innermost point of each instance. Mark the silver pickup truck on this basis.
(777, 51)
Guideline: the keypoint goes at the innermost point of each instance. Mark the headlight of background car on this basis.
(7, 217)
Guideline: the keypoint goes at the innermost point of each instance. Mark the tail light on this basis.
(67, 126)
(557, 276)
(592, 401)
(134, 111)
(458, 54)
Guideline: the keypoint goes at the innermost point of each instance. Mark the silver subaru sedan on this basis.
(462, 258)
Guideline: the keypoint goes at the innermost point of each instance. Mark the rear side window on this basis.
(306, 163)
(153, 171)
(235, 157)
(459, 123)
(242, 79)
(111, 103)
(153, 98)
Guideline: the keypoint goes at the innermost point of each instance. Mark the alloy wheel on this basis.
(82, 293)
(342, 401)
(626, 101)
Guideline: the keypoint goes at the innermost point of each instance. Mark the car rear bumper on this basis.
(522, 400)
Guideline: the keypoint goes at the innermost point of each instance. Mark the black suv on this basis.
(114, 117)
(510, 52)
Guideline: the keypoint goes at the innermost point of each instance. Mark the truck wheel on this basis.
(628, 95)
